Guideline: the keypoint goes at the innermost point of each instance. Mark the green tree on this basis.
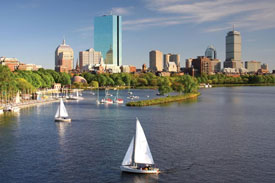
(164, 86)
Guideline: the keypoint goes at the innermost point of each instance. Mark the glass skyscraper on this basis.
(108, 38)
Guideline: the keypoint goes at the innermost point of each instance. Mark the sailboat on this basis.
(138, 158)
(97, 99)
(118, 100)
(61, 114)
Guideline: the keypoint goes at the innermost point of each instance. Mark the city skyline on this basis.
(34, 28)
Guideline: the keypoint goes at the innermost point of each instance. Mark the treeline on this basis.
(243, 79)
(184, 83)
(29, 81)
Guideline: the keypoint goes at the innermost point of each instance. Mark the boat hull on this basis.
(132, 169)
(62, 120)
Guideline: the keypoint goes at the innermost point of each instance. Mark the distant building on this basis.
(203, 65)
(144, 68)
(128, 68)
(64, 58)
(233, 50)
(188, 63)
(108, 38)
(211, 52)
(252, 66)
(11, 63)
(264, 66)
(89, 57)
(28, 67)
(216, 65)
(156, 60)
(171, 62)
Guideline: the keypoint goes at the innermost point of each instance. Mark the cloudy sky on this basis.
(32, 29)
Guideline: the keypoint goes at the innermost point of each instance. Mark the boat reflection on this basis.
(61, 127)
(139, 178)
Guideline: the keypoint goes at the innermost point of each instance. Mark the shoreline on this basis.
(30, 103)
(162, 100)
(233, 85)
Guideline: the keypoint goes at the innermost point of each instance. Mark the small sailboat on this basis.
(61, 113)
(138, 158)
(97, 99)
(118, 100)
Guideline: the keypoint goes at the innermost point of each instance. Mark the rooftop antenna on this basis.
(64, 42)
(233, 27)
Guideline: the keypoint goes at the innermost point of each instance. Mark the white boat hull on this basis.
(133, 169)
(62, 120)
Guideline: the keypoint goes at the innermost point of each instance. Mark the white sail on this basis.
(129, 154)
(61, 111)
(142, 151)
(57, 112)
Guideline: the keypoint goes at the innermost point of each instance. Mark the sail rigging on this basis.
(138, 151)
(61, 110)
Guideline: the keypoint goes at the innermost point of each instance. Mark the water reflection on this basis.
(137, 178)
(61, 127)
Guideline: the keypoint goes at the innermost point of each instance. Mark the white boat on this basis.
(77, 97)
(61, 113)
(138, 158)
(10, 108)
(118, 100)
(1, 111)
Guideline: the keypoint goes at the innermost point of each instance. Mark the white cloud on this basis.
(251, 15)
(121, 11)
(85, 29)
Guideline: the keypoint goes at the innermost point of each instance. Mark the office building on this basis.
(89, 57)
(11, 63)
(233, 50)
(64, 58)
(108, 38)
(252, 66)
(156, 60)
(171, 62)
(202, 65)
(211, 52)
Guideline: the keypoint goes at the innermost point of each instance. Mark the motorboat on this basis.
(138, 158)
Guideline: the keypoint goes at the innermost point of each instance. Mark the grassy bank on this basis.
(163, 100)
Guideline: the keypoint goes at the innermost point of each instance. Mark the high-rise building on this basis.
(89, 57)
(202, 65)
(211, 52)
(156, 60)
(171, 62)
(108, 38)
(252, 66)
(233, 50)
(64, 58)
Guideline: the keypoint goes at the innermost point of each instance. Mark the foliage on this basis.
(164, 86)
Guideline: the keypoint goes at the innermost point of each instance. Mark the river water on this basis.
(226, 135)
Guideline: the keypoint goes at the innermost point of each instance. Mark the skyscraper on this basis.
(211, 52)
(89, 57)
(108, 38)
(233, 50)
(64, 58)
(156, 60)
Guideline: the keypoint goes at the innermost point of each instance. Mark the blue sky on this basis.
(32, 29)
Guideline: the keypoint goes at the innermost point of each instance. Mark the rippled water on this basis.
(226, 135)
